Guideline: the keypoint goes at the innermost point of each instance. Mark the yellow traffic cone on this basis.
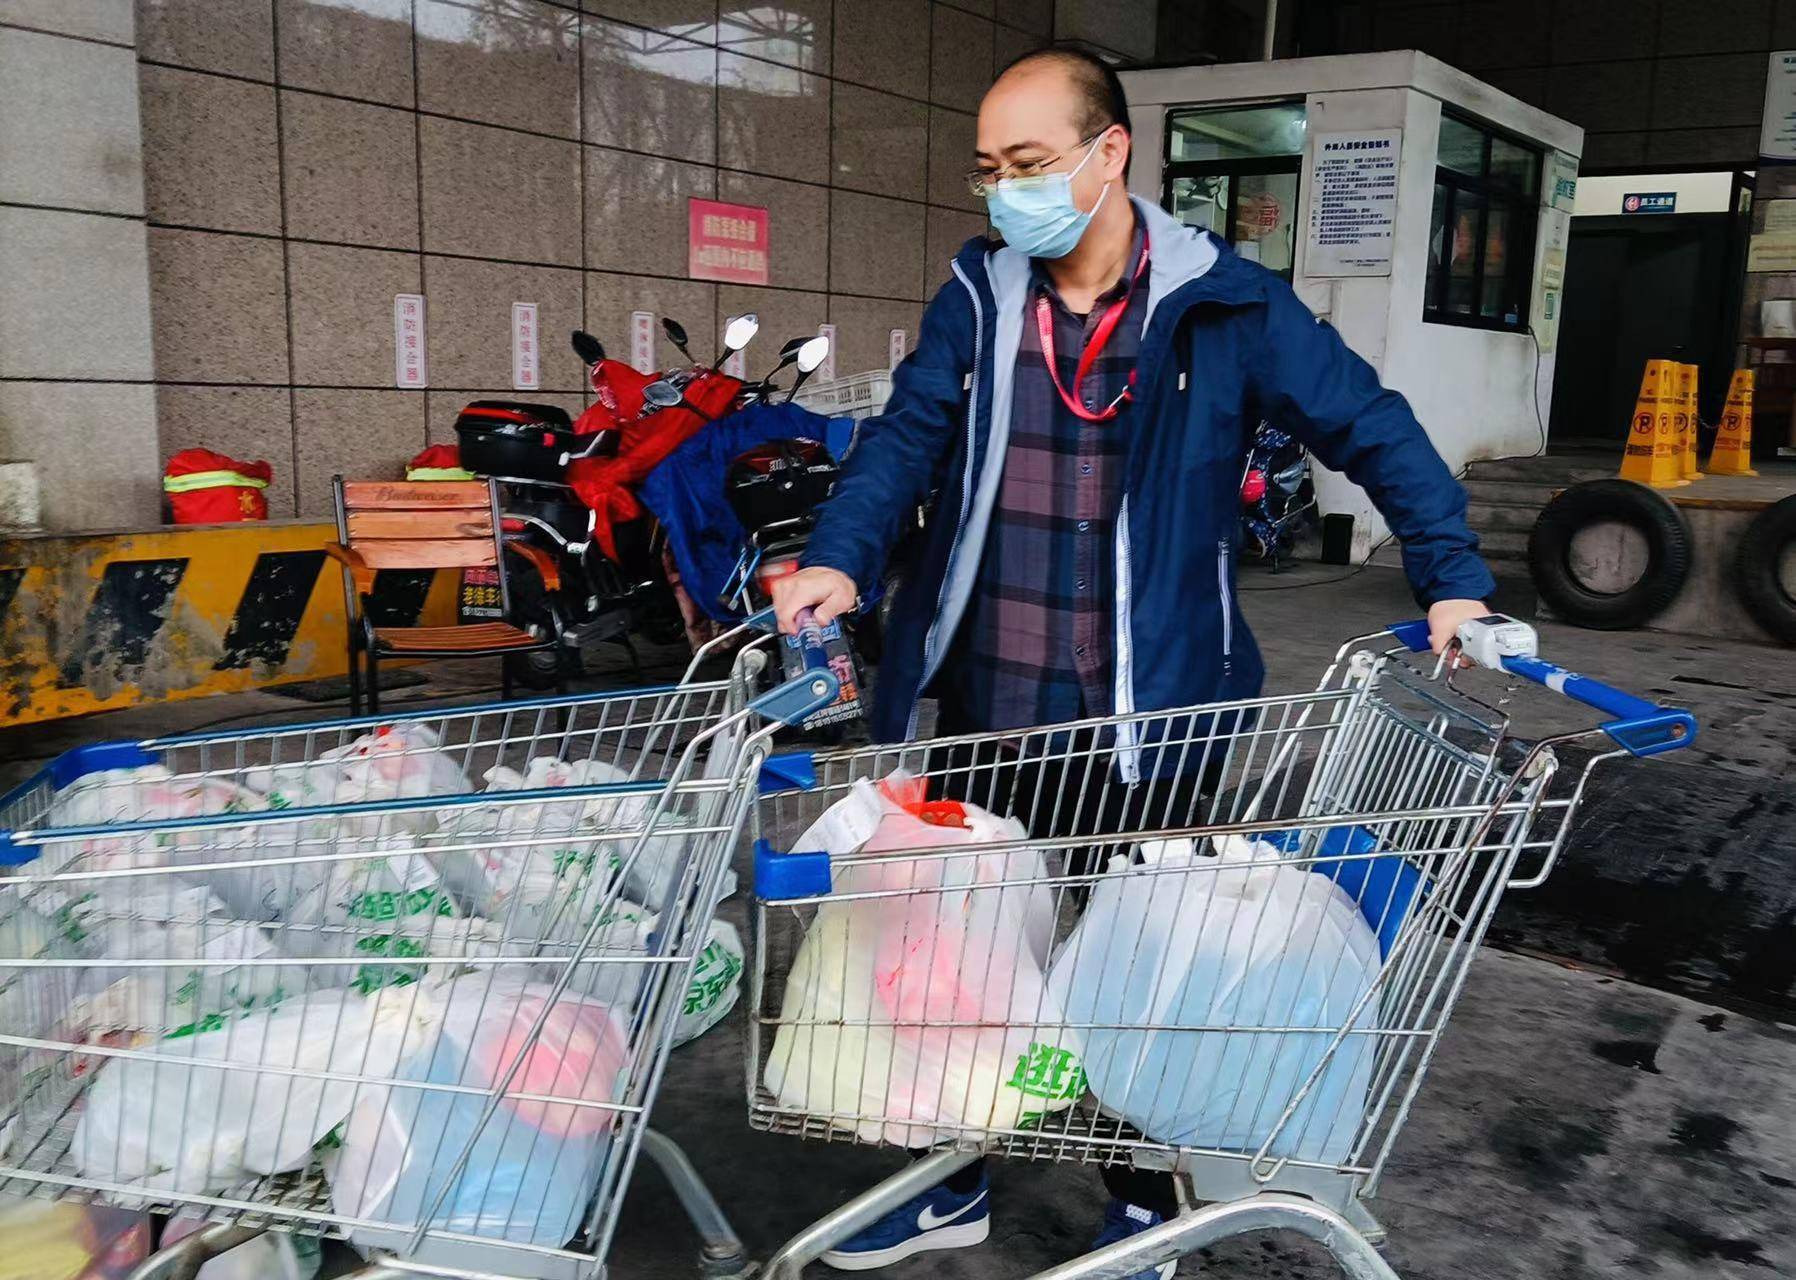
(1651, 454)
(1732, 455)
(1687, 414)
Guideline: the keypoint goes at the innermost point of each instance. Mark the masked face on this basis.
(1038, 214)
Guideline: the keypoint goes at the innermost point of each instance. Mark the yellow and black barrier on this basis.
(93, 622)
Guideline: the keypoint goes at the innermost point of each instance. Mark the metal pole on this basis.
(1271, 35)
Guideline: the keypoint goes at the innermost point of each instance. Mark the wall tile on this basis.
(693, 19)
(443, 407)
(1125, 27)
(610, 299)
(498, 194)
(1703, 146)
(1715, 91)
(359, 435)
(251, 423)
(1783, 26)
(470, 322)
(951, 143)
(342, 313)
(1612, 151)
(884, 44)
(796, 32)
(1527, 83)
(960, 59)
(1605, 30)
(797, 227)
(74, 300)
(984, 8)
(636, 210)
(784, 314)
(879, 142)
(947, 231)
(95, 19)
(1701, 26)
(77, 143)
(210, 158)
(1601, 96)
(364, 51)
(351, 171)
(646, 92)
(508, 62)
(1036, 16)
(1505, 33)
(875, 246)
(1009, 44)
(232, 36)
(772, 119)
(219, 307)
(117, 487)
(864, 329)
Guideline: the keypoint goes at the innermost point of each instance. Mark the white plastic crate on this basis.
(860, 395)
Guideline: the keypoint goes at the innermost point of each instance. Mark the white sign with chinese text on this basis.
(1777, 126)
(526, 363)
(642, 341)
(826, 371)
(408, 341)
(895, 349)
(1353, 211)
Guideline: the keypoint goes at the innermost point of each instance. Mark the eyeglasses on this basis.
(981, 181)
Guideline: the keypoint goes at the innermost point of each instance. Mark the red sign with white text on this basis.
(726, 242)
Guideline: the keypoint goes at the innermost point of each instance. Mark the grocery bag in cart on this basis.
(916, 1009)
(1237, 939)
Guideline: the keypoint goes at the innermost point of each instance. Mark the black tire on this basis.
(1668, 544)
(540, 669)
(1757, 569)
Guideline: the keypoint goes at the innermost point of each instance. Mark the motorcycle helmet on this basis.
(779, 482)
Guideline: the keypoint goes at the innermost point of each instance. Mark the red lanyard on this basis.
(1113, 314)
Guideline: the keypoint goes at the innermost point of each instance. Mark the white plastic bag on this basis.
(927, 1007)
(172, 1126)
(535, 1165)
(712, 992)
(1235, 939)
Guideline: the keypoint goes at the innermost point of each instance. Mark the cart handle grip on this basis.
(798, 697)
(1640, 727)
(810, 636)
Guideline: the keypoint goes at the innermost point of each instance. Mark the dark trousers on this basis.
(1070, 789)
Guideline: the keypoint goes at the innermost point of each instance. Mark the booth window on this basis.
(1235, 171)
(1481, 240)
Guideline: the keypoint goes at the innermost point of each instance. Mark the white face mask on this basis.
(1038, 215)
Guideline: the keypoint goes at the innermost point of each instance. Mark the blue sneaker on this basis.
(1122, 1220)
(937, 1219)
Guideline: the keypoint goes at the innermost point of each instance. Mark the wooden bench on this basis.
(429, 524)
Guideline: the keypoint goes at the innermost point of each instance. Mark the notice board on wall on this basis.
(1353, 210)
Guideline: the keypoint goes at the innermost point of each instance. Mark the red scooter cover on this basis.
(210, 488)
(608, 485)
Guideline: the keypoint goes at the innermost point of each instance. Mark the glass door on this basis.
(1234, 171)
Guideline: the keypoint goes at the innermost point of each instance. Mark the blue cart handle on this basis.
(819, 686)
(1640, 727)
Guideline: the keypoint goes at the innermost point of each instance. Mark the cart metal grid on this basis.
(1400, 783)
(127, 941)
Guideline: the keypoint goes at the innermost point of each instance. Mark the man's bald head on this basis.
(1097, 94)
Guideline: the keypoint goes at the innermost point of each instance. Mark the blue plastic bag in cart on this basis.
(1223, 943)
(536, 1164)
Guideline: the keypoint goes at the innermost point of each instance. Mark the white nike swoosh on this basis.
(928, 1221)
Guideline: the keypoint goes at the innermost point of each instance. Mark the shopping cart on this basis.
(1396, 781)
(306, 978)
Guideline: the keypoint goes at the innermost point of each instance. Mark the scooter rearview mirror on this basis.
(676, 334)
(812, 353)
(662, 394)
(792, 346)
(740, 332)
(587, 347)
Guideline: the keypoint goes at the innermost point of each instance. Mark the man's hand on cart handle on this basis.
(828, 592)
(1444, 617)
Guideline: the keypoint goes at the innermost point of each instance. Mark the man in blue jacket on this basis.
(1081, 399)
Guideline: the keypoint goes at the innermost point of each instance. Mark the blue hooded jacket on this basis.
(1224, 344)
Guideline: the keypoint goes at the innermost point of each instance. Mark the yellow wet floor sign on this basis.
(1651, 457)
(1732, 454)
(1687, 419)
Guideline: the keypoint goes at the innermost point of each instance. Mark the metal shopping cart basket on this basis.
(307, 978)
(1221, 941)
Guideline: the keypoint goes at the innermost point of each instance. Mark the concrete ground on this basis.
(1616, 1095)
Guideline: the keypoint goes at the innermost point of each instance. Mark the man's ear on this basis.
(1115, 152)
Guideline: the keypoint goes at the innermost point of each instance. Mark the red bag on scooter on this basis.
(608, 485)
(438, 462)
(210, 488)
